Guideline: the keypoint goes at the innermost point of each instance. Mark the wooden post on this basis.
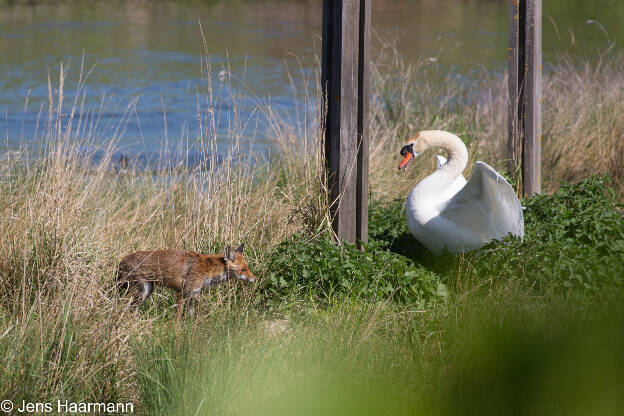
(525, 100)
(346, 36)
(514, 148)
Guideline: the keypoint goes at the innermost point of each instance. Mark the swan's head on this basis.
(414, 146)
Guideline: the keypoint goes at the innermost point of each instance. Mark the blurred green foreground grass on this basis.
(533, 327)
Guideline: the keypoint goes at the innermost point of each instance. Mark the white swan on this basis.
(445, 211)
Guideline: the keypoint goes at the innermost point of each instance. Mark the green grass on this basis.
(495, 354)
(58, 359)
(533, 340)
(334, 330)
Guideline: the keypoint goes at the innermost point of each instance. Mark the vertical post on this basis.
(361, 230)
(525, 70)
(532, 155)
(346, 25)
(514, 147)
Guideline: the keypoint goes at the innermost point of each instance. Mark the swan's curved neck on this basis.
(457, 152)
(430, 188)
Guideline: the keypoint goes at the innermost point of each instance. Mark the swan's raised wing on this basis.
(486, 206)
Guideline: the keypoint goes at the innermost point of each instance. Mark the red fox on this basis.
(186, 272)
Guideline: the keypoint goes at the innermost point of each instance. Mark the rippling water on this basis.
(151, 52)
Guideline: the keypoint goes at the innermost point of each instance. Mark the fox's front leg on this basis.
(191, 307)
(195, 289)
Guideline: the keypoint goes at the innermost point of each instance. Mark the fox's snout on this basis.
(236, 266)
(244, 275)
(248, 279)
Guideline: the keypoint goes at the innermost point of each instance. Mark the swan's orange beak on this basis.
(407, 158)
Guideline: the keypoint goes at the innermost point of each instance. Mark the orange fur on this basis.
(186, 272)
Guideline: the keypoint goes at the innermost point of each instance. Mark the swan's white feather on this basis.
(466, 215)
(457, 184)
(440, 161)
(486, 206)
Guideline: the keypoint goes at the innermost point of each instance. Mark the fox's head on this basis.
(235, 265)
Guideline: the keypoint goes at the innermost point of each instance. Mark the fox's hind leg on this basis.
(179, 303)
(143, 291)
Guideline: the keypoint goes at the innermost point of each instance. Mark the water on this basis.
(151, 52)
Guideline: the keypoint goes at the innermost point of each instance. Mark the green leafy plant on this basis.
(574, 239)
(321, 269)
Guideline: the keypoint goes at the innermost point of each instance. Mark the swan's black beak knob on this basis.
(408, 156)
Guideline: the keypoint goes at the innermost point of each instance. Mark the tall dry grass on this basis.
(65, 222)
(582, 121)
(69, 216)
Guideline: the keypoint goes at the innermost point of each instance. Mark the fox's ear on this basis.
(228, 253)
(240, 248)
